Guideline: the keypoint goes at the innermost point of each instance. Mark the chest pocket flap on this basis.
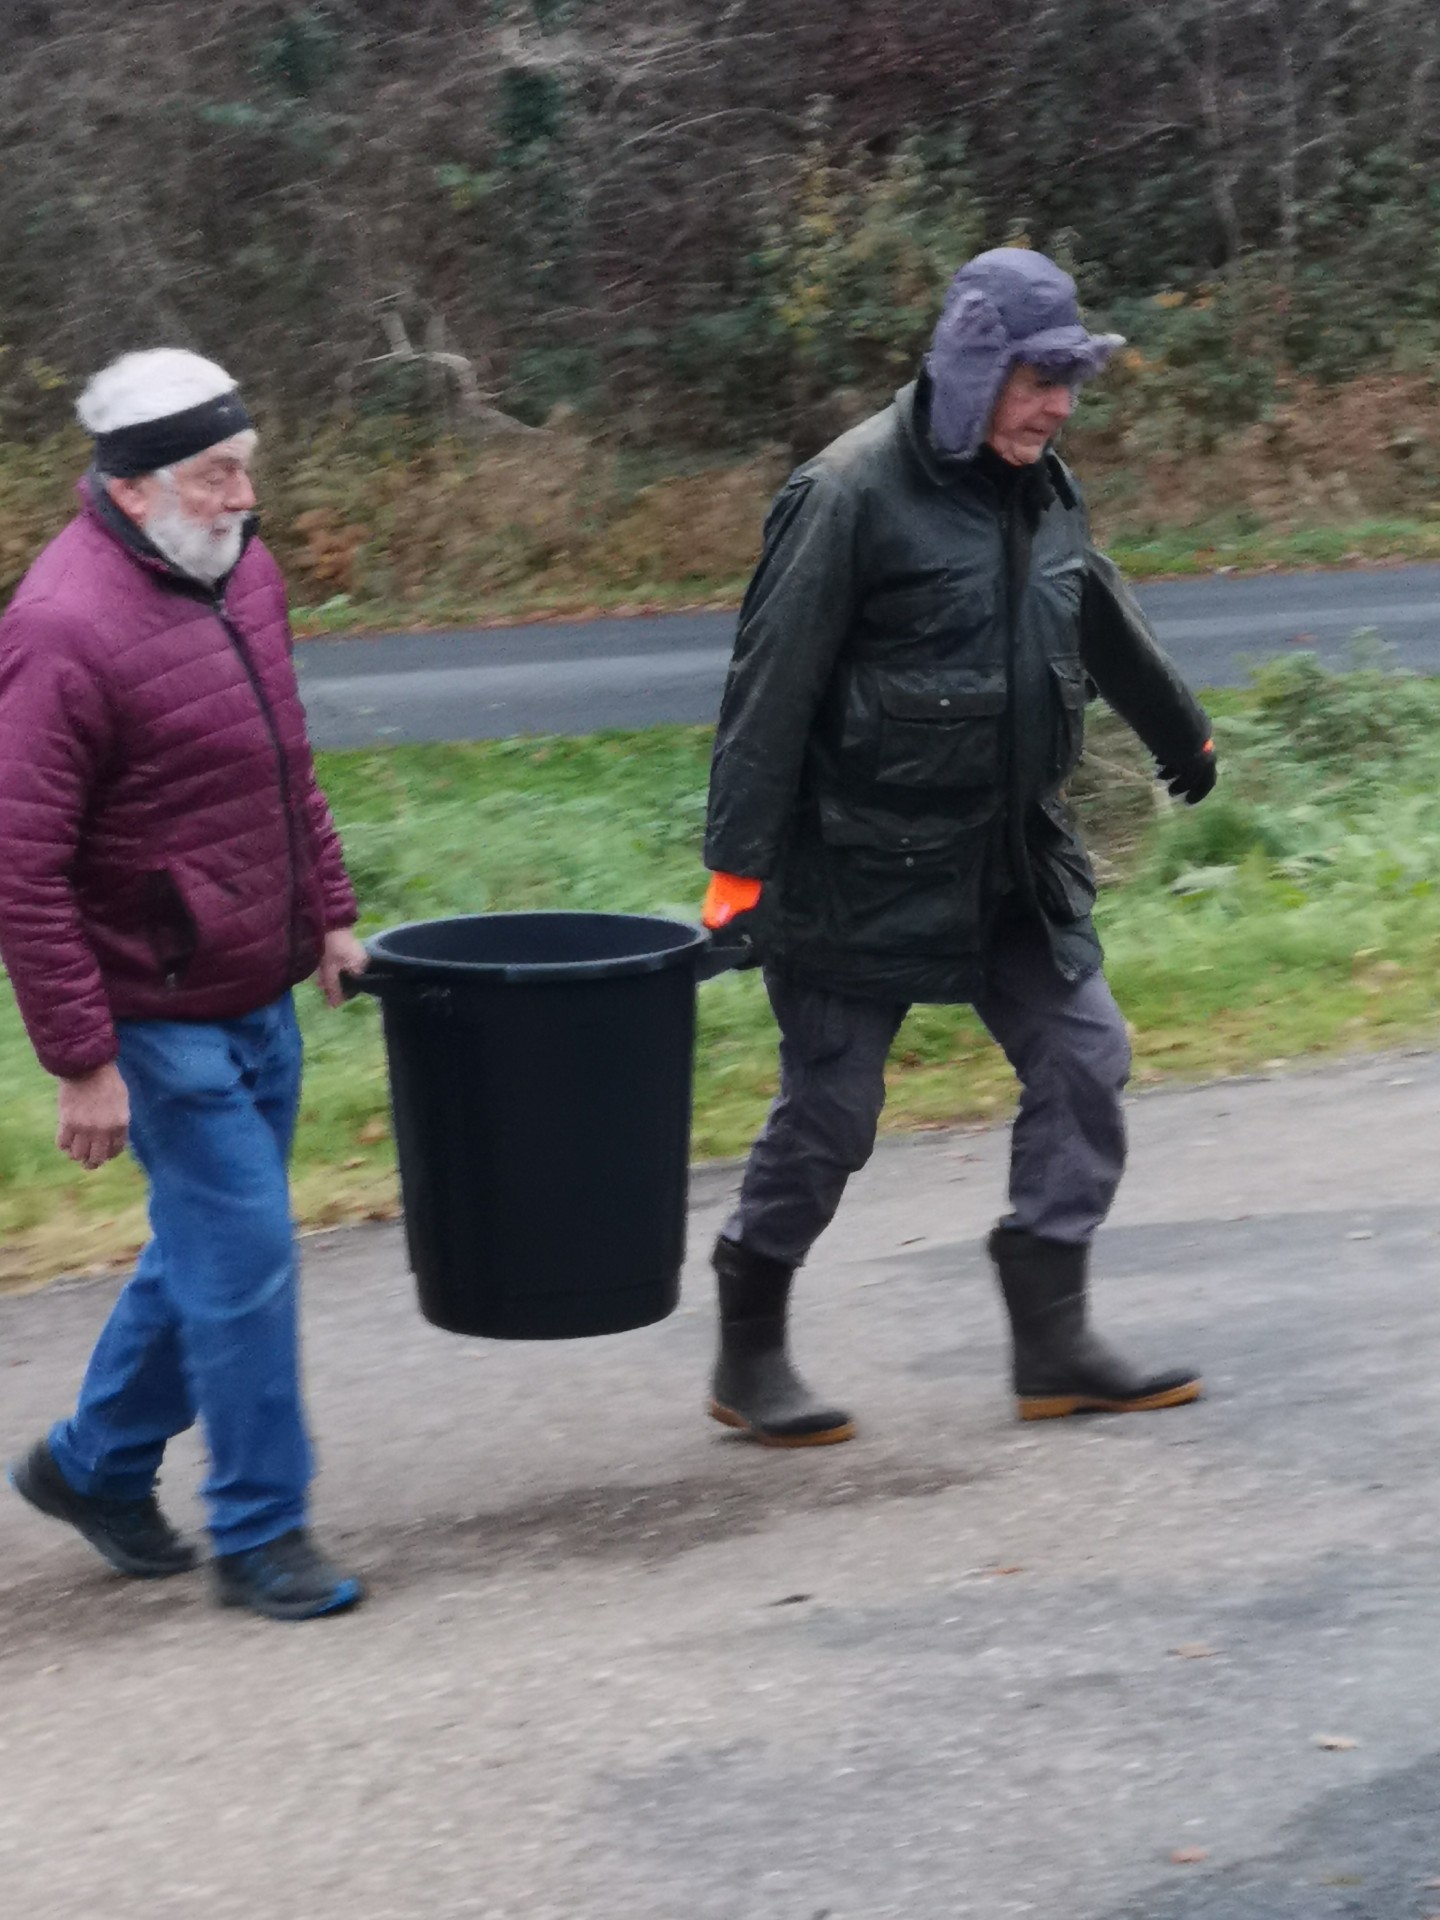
(940, 728)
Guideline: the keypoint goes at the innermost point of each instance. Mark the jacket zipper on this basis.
(1020, 547)
(282, 765)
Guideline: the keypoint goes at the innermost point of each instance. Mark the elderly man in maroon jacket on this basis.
(170, 871)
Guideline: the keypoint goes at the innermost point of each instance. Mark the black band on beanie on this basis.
(151, 444)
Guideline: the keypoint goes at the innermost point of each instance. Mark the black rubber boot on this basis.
(286, 1579)
(133, 1535)
(755, 1387)
(1061, 1367)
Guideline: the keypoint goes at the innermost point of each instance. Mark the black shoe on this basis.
(286, 1579)
(755, 1387)
(133, 1535)
(1061, 1367)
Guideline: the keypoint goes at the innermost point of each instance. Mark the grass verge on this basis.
(1297, 912)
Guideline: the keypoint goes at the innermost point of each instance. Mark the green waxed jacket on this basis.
(905, 704)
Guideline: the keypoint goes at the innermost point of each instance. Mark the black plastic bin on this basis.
(540, 1079)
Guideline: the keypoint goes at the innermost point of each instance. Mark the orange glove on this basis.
(726, 896)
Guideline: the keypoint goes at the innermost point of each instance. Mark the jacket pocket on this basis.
(170, 925)
(922, 841)
(1072, 691)
(1064, 878)
(905, 885)
(939, 729)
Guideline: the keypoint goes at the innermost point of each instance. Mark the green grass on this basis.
(1296, 912)
(1172, 552)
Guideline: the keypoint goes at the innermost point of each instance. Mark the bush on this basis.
(1318, 715)
(1224, 832)
(1330, 793)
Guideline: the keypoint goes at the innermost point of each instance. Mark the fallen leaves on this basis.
(1335, 1742)
(1189, 1856)
(1193, 1650)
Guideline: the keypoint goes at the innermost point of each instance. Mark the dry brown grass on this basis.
(37, 496)
(546, 518)
(382, 527)
(450, 527)
(1324, 456)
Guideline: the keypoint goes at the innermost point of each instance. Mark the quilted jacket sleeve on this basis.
(340, 905)
(54, 737)
(336, 891)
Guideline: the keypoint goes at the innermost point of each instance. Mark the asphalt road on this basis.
(577, 678)
(620, 1665)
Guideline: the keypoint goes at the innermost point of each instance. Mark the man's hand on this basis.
(343, 953)
(1190, 780)
(94, 1117)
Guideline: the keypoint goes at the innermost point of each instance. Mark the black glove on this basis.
(1190, 780)
(734, 947)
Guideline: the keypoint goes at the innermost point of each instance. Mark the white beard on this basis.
(204, 549)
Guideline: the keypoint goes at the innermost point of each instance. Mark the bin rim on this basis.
(683, 953)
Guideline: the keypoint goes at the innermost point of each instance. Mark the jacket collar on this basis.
(1036, 487)
(96, 501)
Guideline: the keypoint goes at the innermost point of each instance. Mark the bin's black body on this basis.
(540, 1075)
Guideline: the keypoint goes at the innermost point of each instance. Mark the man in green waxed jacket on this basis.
(887, 825)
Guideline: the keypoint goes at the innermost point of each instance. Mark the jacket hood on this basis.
(1004, 308)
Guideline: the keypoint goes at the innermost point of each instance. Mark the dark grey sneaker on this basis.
(133, 1535)
(286, 1579)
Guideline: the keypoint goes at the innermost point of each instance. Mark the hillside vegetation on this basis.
(537, 300)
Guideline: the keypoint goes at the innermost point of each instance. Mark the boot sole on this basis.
(113, 1556)
(826, 1437)
(1060, 1406)
(302, 1610)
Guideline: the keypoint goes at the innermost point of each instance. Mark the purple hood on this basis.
(1003, 308)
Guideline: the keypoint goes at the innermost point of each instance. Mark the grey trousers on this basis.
(1070, 1052)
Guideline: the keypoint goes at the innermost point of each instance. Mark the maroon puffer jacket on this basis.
(165, 852)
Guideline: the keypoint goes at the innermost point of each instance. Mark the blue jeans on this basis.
(207, 1325)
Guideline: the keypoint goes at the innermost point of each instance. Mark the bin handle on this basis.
(371, 981)
(376, 980)
(725, 956)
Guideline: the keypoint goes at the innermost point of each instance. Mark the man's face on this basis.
(216, 484)
(1032, 408)
(195, 513)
